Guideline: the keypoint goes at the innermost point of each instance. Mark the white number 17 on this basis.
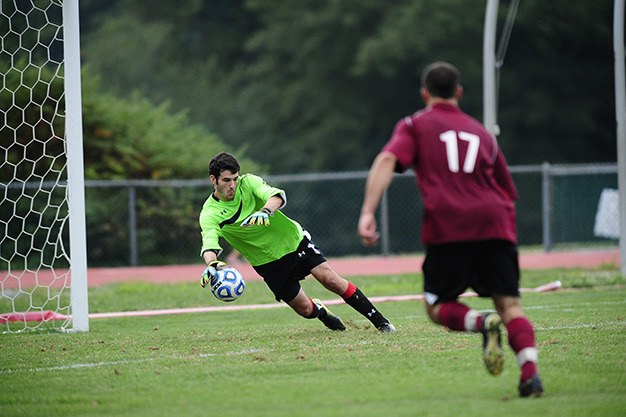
(450, 138)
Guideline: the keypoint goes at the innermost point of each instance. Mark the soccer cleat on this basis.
(532, 387)
(329, 319)
(492, 343)
(387, 328)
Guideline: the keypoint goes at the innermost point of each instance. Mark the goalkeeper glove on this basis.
(210, 273)
(261, 217)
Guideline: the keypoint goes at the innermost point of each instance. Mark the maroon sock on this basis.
(528, 369)
(522, 336)
(452, 315)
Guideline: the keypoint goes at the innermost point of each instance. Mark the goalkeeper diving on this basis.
(246, 212)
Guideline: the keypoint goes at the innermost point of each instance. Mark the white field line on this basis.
(75, 366)
(121, 362)
(184, 310)
(552, 286)
(254, 350)
(584, 326)
(569, 307)
(572, 306)
(131, 361)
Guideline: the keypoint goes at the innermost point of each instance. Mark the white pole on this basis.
(489, 68)
(620, 116)
(75, 169)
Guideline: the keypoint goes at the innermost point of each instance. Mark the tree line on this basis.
(313, 85)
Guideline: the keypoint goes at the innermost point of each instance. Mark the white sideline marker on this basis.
(551, 286)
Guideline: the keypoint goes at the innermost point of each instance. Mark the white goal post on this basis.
(492, 63)
(43, 256)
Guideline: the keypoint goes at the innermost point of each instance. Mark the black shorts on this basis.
(489, 267)
(283, 275)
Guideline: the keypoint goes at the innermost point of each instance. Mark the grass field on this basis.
(270, 362)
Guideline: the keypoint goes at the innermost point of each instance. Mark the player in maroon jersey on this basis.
(469, 220)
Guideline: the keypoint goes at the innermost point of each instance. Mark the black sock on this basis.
(321, 313)
(317, 313)
(363, 305)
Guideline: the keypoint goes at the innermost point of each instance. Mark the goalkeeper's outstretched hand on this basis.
(261, 217)
(210, 273)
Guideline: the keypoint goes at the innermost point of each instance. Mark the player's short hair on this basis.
(223, 161)
(440, 79)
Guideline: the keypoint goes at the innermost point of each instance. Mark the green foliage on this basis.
(319, 85)
(559, 74)
(130, 138)
(32, 145)
(31, 134)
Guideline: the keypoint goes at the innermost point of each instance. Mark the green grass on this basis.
(270, 362)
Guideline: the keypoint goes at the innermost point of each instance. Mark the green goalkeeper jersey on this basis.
(258, 244)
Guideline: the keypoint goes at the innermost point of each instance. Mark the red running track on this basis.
(371, 265)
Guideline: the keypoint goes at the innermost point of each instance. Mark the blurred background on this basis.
(302, 86)
(306, 93)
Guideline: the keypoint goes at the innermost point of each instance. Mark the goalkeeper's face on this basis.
(226, 185)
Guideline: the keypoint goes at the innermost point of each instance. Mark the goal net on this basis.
(43, 273)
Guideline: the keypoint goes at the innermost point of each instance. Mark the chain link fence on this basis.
(146, 222)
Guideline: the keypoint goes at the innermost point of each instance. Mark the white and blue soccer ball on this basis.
(229, 284)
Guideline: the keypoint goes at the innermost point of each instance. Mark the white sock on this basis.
(469, 321)
(527, 355)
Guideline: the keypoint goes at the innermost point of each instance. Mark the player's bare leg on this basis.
(351, 295)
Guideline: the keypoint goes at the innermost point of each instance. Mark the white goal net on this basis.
(43, 278)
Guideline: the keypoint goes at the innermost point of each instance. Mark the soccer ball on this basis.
(229, 284)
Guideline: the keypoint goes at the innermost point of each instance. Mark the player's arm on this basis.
(274, 203)
(378, 179)
(262, 216)
(211, 248)
(213, 265)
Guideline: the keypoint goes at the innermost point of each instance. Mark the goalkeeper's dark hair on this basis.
(440, 79)
(223, 162)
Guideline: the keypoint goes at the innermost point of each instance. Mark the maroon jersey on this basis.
(464, 180)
